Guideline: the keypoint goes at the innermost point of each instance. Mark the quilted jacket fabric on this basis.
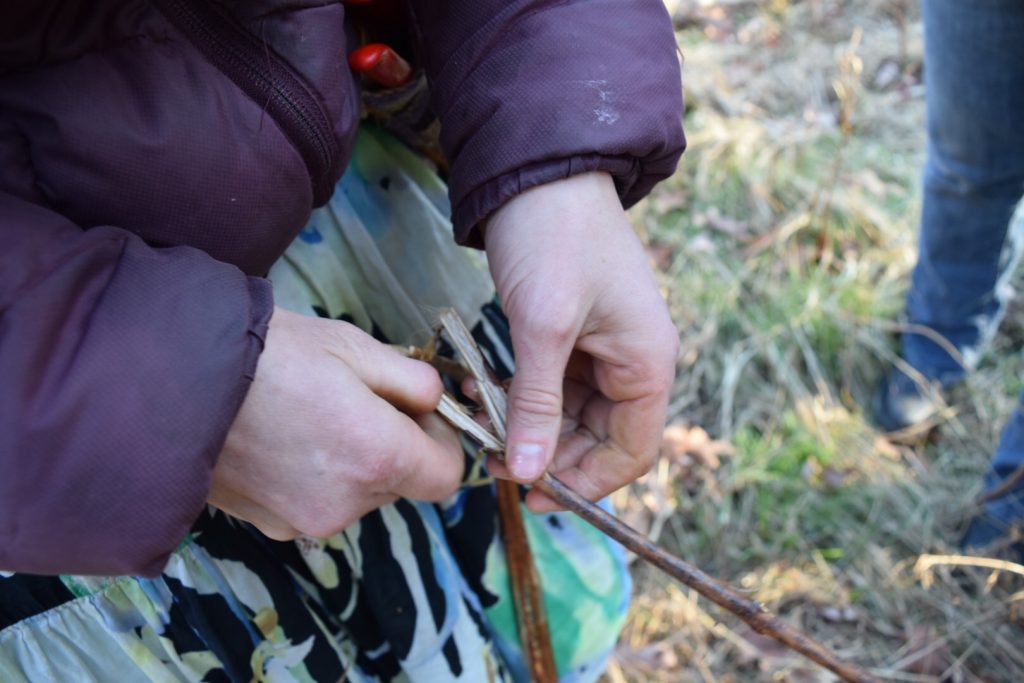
(156, 157)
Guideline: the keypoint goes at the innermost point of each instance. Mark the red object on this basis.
(381, 64)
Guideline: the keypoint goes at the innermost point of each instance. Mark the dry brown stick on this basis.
(531, 616)
(750, 611)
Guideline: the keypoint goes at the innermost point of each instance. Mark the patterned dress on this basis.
(412, 592)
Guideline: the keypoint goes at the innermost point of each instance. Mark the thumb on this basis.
(408, 384)
(535, 405)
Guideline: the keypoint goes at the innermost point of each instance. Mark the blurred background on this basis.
(785, 244)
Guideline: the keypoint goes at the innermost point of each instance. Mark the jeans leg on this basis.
(1007, 460)
(1002, 513)
(973, 178)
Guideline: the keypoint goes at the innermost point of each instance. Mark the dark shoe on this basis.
(900, 402)
(990, 536)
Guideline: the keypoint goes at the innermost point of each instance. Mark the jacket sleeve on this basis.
(531, 91)
(123, 367)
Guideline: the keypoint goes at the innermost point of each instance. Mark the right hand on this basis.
(595, 347)
(334, 425)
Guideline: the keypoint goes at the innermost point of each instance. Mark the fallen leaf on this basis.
(927, 654)
(691, 445)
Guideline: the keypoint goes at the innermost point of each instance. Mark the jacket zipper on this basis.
(268, 80)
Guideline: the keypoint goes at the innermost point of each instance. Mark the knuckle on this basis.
(663, 379)
(643, 377)
(348, 342)
(448, 483)
(535, 401)
(558, 331)
(550, 319)
(639, 465)
(660, 370)
(432, 387)
(323, 520)
(664, 343)
(643, 464)
(378, 471)
(636, 465)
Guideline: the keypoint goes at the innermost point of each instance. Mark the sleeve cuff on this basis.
(262, 293)
(633, 180)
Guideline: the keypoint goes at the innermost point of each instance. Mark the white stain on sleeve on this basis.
(605, 111)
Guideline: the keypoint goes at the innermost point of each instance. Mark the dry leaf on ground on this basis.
(687, 446)
(928, 655)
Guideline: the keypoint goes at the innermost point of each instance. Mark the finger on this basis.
(535, 401)
(470, 389)
(635, 425)
(497, 468)
(580, 367)
(575, 397)
(435, 426)
(633, 420)
(591, 459)
(540, 502)
(621, 457)
(601, 471)
(426, 466)
(627, 365)
(409, 384)
(573, 446)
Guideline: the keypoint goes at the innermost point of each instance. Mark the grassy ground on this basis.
(786, 240)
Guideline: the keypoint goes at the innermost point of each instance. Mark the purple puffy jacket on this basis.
(157, 157)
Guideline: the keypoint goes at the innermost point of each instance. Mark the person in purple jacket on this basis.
(156, 159)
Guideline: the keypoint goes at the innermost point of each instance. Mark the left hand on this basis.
(591, 334)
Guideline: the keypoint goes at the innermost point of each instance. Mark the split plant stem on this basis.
(750, 611)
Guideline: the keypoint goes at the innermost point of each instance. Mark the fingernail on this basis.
(527, 461)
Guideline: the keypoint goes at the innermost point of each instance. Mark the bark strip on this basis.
(531, 616)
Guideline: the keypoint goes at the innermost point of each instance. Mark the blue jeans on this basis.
(973, 179)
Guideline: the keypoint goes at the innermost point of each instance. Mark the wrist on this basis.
(559, 200)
